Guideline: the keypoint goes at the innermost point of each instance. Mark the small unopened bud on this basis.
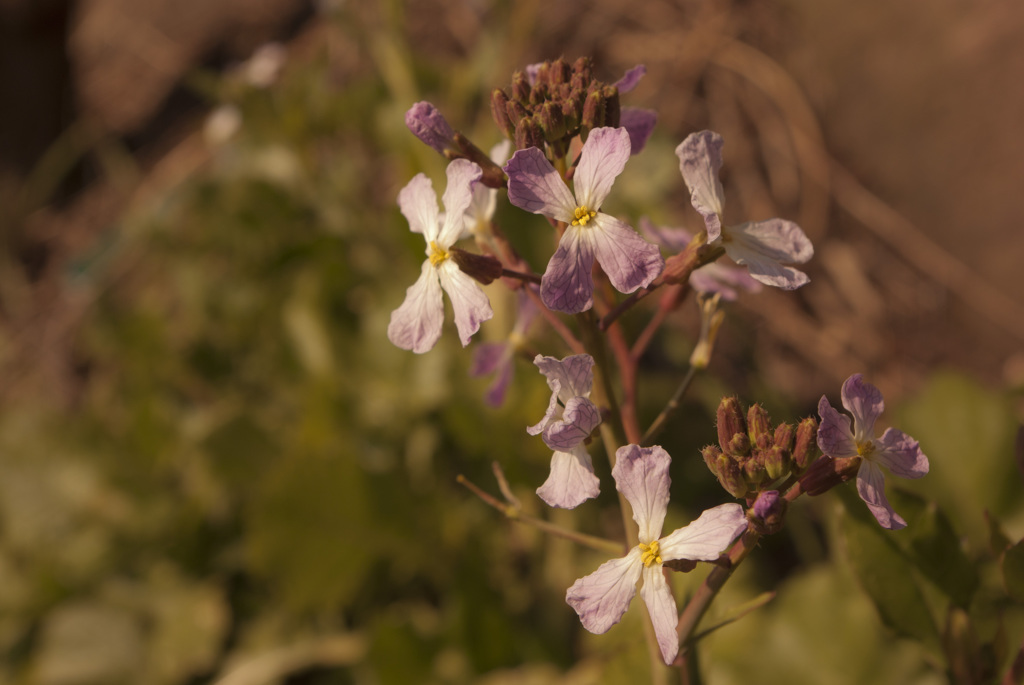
(768, 512)
(520, 88)
(784, 436)
(593, 112)
(559, 72)
(730, 422)
(805, 446)
(711, 318)
(430, 126)
(760, 425)
(711, 455)
(612, 108)
(754, 472)
(483, 268)
(572, 109)
(776, 462)
(539, 93)
(499, 110)
(731, 477)
(529, 134)
(582, 73)
(552, 122)
(542, 74)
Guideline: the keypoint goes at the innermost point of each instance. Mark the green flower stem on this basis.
(514, 513)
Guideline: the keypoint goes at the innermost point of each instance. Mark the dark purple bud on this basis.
(766, 503)
(520, 88)
(541, 75)
(805, 447)
(483, 268)
(538, 94)
(730, 422)
(769, 509)
(430, 126)
(560, 72)
(582, 73)
(593, 112)
(516, 112)
(612, 108)
(552, 122)
(499, 110)
(784, 436)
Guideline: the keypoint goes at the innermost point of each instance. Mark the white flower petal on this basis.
(629, 261)
(662, 607)
(575, 375)
(534, 185)
(700, 159)
(602, 598)
(901, 454)
(834, 435)
(641, 475)
(579, 418)
(865, 402)
(416, 325)
(602, 159)
(871, 488)
(571, 481)
(418, 203)
(469, 303)
(567, 284)
(706, 538)
(765, 247)
(462, 173)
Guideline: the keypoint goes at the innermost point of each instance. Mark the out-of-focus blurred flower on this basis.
(895, 450)
(221, 125)
(265, 65)
(499, 357)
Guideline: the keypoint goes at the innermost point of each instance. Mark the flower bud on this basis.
(768, 512)
(499, 110)
(711, 455)
(754, 472)
(559, 72)
(784, 436)
(529, 134)
(582, 74)
(552, 122)
(776, 462)
(805, 447)
(593, 112)
(828, 472)
(430, 126)
(520, 88)
(730, 423)
(759, 424)
(542, 74)
(572, 109)
(482, 268)
(730, 476)
(539, 93)
(711, 318)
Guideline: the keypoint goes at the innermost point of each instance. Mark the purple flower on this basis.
(763, 246)
(430, 126)
(639, 123)
(416, 325)
(534, 185)
(895, 450)
(499, 357)
(600, 599)
(710, 278)
(568, 421)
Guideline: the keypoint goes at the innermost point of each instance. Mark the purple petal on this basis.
(534, 185)
(469, 303)
(765, 246)
(639, 123)
(579, 418)
(871, 488)
(458, 196)
(574, 375)
(531, 71)
(662, 608)
(674, 239)
(641, 475)
(630, 79)
(602, 598)
(706, 538)
(722, 279)
(629, 261)
(495, 395)
(834, 435)
(865, 402)
(567, 284)
(418, 203)
(487, 357)
(700, 159)
(901, 454)
(429, 125)
(602, 159)
(766, 504)
(416, 325)
(553, 408)
(571, 481)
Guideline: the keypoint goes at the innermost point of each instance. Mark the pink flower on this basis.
(600, 599)
(765, 247)
(895, 450)
(630, 261)
(567, 423)
(416, 325)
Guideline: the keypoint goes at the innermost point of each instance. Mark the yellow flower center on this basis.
(583, 215)
(650, 554)
(865, 449)
(437, 254)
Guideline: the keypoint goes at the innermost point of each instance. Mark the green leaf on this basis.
(885, 574)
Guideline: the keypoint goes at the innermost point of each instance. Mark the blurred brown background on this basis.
(891, 131)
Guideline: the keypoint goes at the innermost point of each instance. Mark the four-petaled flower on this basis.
(568, 422)
(416, 325)
(629, 260)
(763, 246)
(895, 450)
(600, 599)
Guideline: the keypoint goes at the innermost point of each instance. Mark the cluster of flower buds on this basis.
(751, 455)
(552, 102)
